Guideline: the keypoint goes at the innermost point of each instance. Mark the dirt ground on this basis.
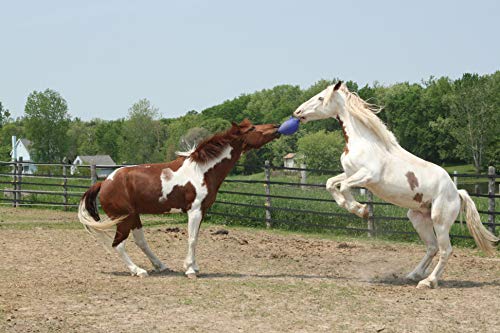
(57, 278)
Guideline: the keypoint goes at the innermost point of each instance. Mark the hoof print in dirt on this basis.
(220, 232)
(174, 229)
(345, 245)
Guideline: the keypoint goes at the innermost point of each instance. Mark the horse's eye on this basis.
(253, 128)
(321, 98)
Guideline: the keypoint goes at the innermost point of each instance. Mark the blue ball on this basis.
(290, 126)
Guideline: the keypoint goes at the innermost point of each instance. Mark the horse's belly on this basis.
(400, 197)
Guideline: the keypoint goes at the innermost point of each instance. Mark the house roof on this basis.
(96, 159)
(27, 143)
(289, 155)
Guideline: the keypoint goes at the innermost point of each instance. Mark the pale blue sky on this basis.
(102, 56)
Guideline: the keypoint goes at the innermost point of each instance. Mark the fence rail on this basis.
(56, 186)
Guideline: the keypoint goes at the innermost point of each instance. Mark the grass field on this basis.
(324, 220)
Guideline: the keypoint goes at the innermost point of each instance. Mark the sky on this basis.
(102, 56)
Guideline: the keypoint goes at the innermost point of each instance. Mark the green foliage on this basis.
(46, 123)
(321, 150)
(4, 115)
(9, 129)
(143, 134)
(441, 120)
(474, 117)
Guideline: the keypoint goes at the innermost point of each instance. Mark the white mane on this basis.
(186, 153)
(365, 113)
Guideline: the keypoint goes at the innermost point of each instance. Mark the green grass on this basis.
(327, 224)
(306, 222)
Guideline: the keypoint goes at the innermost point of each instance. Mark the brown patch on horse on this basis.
(214, 177)
(412, 180)
(136, 190)
(418, 197)
(346, 137)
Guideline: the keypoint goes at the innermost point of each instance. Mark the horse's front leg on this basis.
(194, 216)
(361, 178)
(332, 187)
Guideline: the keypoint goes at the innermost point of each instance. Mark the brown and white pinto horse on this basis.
(188, 184)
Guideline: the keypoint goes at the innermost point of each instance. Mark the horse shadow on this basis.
(447, 284)
(391, 280)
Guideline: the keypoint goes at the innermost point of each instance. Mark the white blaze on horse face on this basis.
(191, 172)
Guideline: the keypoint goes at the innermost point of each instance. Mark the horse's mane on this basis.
(211, 147)
(366, 113)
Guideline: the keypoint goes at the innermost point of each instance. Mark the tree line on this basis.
(441, 120)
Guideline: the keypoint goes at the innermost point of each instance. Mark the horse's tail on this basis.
(483, 238)
(89, 215)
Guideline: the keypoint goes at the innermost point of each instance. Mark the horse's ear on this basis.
(245, 125)
(337, 86)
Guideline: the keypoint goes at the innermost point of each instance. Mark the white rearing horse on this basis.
(373, 159)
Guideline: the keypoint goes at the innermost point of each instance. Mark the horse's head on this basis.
(255, 136)
(327, 104)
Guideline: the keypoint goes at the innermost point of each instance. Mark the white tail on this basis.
(483, 238)
(105, 224)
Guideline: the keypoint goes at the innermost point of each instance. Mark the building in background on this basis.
(21, 150)
(100, 160)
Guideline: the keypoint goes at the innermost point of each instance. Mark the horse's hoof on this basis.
(426, 284)
(191, 276)
(141, 273)
(162, 269)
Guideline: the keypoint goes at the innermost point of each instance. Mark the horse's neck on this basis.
(356, 133)
(220, 171)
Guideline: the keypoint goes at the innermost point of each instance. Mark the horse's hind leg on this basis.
(122, 232)
(423, 225)
(444, 212)
(140, 241)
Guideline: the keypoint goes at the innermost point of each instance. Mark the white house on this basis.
(289, 160)
(100, 160)
(21, 149)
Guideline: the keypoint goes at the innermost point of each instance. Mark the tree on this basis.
(46, 123)
(474, 115)
(4, 115)
(176, 129)
(215, 125)
(192, 137)
(142, 134)
(272, 105)
(321, 150)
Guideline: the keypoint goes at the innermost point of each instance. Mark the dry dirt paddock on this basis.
(54, 277)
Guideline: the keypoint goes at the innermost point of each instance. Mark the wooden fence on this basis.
(53, 185)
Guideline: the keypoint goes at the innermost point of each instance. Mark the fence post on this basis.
(267, 171)
(19, 181)
(303, 176)
(93, 174)
(371, 215)
(455, 178)
(491, 199)
(65, 186)
(14, 183)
